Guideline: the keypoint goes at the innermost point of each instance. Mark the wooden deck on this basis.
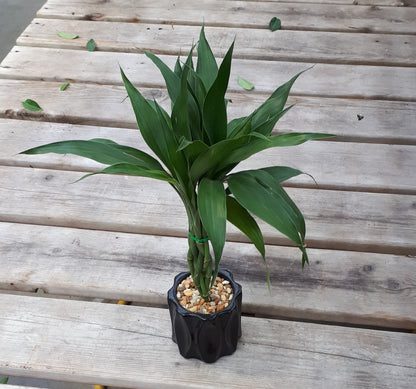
(345, 321)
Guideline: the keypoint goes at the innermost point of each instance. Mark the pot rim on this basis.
(237, 291)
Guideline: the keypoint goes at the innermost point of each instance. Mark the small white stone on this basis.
(231, 297)
(225, 282)
(178, 295)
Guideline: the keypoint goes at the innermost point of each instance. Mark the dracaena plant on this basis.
(197, 149)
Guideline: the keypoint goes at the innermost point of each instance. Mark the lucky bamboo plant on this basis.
(197, 149)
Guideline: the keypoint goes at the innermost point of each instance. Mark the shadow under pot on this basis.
(206, 336)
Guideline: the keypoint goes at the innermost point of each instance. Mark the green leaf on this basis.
(281, 173)
(178, 67)
(4, 380)
(275, 24)
(134, 170)
(64, 86)
(262, 196)
(247, 85)
(213, 156)
(273, 108)
(90, 46)
(215, 110)
(67, 35)
(206, 66)
(173, 82)
(99, 150)
(192, 149)
(31, 105)
(213, 212)
(238, 215)
(255, 145)
(179, 117)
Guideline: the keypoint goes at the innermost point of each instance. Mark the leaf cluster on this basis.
(197, 150)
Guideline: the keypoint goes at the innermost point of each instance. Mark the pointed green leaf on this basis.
(178, 68)
(192, 149)
(281, 173)
(90, 46)
(262, 196)
(213, 212)
(149, 122)
(134, 170)
(4, 380)
(255, 145)
(206, 66)
(67, 35)
(267, 115)
(213, 156)
(31, 105)
(241, 218)
(214, 110)
(247, 85)
(64, 86)
(238, 215)
(99, 150)
(173, 82)
(275, 24)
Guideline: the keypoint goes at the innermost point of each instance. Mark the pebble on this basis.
(189, 298)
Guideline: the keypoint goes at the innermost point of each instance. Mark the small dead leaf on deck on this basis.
(31, 105)
(67, 35)
(247, 85)
(275, 24)
(91, 45)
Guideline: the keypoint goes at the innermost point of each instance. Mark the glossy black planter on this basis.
(210, 336)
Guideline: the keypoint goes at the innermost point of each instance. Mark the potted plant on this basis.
(197, 149)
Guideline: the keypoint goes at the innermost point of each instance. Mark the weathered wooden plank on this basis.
(334, 165)
(318, 17)
(392, 3)
(19, 387)
(303, 46)
(335, 219)
(107, 105)
(325, 80)
(337, 286)
(72, 340)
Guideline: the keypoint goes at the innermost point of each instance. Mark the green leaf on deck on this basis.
(247, 85)
(4, 380)
(64, 86)
(31, 105)
(67, 35)
(275, 24)
(91, 45)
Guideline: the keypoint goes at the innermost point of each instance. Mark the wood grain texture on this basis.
(73, 340)
(335, 219)
(295, 46)
(323, 80)
(107, 105)
(334, 165)
(343, 287)
(392, 3)
(318, 17)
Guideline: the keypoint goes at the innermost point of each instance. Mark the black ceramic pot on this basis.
(206, 336)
